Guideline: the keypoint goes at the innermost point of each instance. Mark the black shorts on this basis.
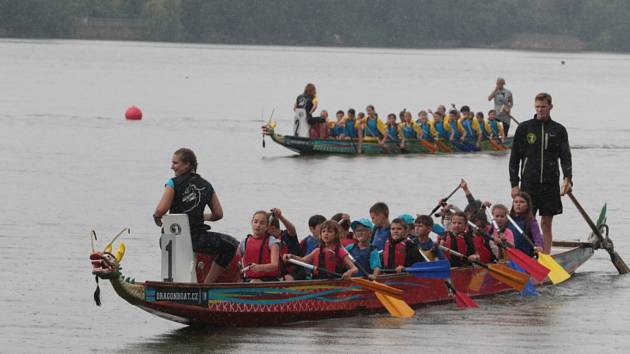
(222, 245)
(545, 198)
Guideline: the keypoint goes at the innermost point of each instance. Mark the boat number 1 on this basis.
(169, 249)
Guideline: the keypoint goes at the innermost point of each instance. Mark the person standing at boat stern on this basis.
(188, 193)
(538, 145)
(503, 102)
(305, 105)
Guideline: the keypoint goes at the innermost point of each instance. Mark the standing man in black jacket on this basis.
(538, 145)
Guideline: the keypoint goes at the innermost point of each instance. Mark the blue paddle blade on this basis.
(529, 289)
(439, 269)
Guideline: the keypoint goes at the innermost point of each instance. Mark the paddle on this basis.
(440, 269)
(500, 272)
(462, 300)
(556, 274)
(374, 285)
(606, 243)
(394, 305)
(530, 265)
(443, 200)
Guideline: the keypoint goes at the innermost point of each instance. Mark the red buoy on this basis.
(133, 113)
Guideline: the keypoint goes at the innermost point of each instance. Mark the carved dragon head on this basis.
(105, 264)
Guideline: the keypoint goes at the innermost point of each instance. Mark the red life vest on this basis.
(257, 250)
(394, 253)
(484, 252)
(326, 258)
(456, 243)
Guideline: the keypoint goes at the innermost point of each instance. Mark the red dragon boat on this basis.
(272, 303)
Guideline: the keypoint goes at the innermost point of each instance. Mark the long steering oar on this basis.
(396, 306)
(500, 272)
(556, 274)
(443, 200)
(606, 243)
(461, 300)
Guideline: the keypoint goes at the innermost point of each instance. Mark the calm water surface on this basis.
(71, 163)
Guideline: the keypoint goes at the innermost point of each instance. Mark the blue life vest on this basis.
(494, 127)
(371, 129)
(350, 130)
(392, 132)
(471, 133)
(426, 130)
(453, 124)
(409, 132)
(439, 128)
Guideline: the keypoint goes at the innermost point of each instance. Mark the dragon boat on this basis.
(369, 146)
(273, 303)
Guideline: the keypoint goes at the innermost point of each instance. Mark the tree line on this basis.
(599, 24)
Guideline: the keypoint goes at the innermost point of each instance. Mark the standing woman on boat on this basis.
(188, 193)
(538, 145)
(503, 103)
(305, 105)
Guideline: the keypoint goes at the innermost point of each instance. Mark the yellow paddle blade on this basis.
(508, 276)
(380, 287)
(477, 280)
(273, 124)
(557, 274)
(108, 248)
(395, 307)
(120, 252)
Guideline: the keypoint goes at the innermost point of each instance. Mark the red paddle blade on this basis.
(464, 301)
(530, 265)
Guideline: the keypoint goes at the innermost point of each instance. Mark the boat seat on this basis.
(178, 258)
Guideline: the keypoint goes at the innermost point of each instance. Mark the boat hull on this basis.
(307, 146)
(272, 303)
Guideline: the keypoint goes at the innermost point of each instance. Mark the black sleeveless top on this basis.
(306, 102)
(192, 194)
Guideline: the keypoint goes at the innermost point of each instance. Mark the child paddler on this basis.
(288, 244)
(365, 254)
(459, 239)
(345, 235)
(469, 124)
(485, 247)
(351, 125)
(379, 213)
(330, 255)
(393, 133)
(310, 242)
(494, 128)
(399, 253)
(372, 126)
(423, 225)
(522, 213)
(438, 125)
(424, 127)
(260, 251)
(337, 129)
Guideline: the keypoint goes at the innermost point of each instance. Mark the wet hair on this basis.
(351, 111)
(500, 207)
(332, 225)
(460, 214)
(261, 212)
(399, 221)
(528, 214)
(315, 220)
(310, 90)
(274, 221)
(543, 96)
(391, 115)
(425, 220)
(343, 223)
(479, 215)
(340, 112)
(187, 156)
(380, 208)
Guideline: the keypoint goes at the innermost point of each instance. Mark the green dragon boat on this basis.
(369, 146)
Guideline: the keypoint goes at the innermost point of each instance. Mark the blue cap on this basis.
(363, 221)
(407, 218)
